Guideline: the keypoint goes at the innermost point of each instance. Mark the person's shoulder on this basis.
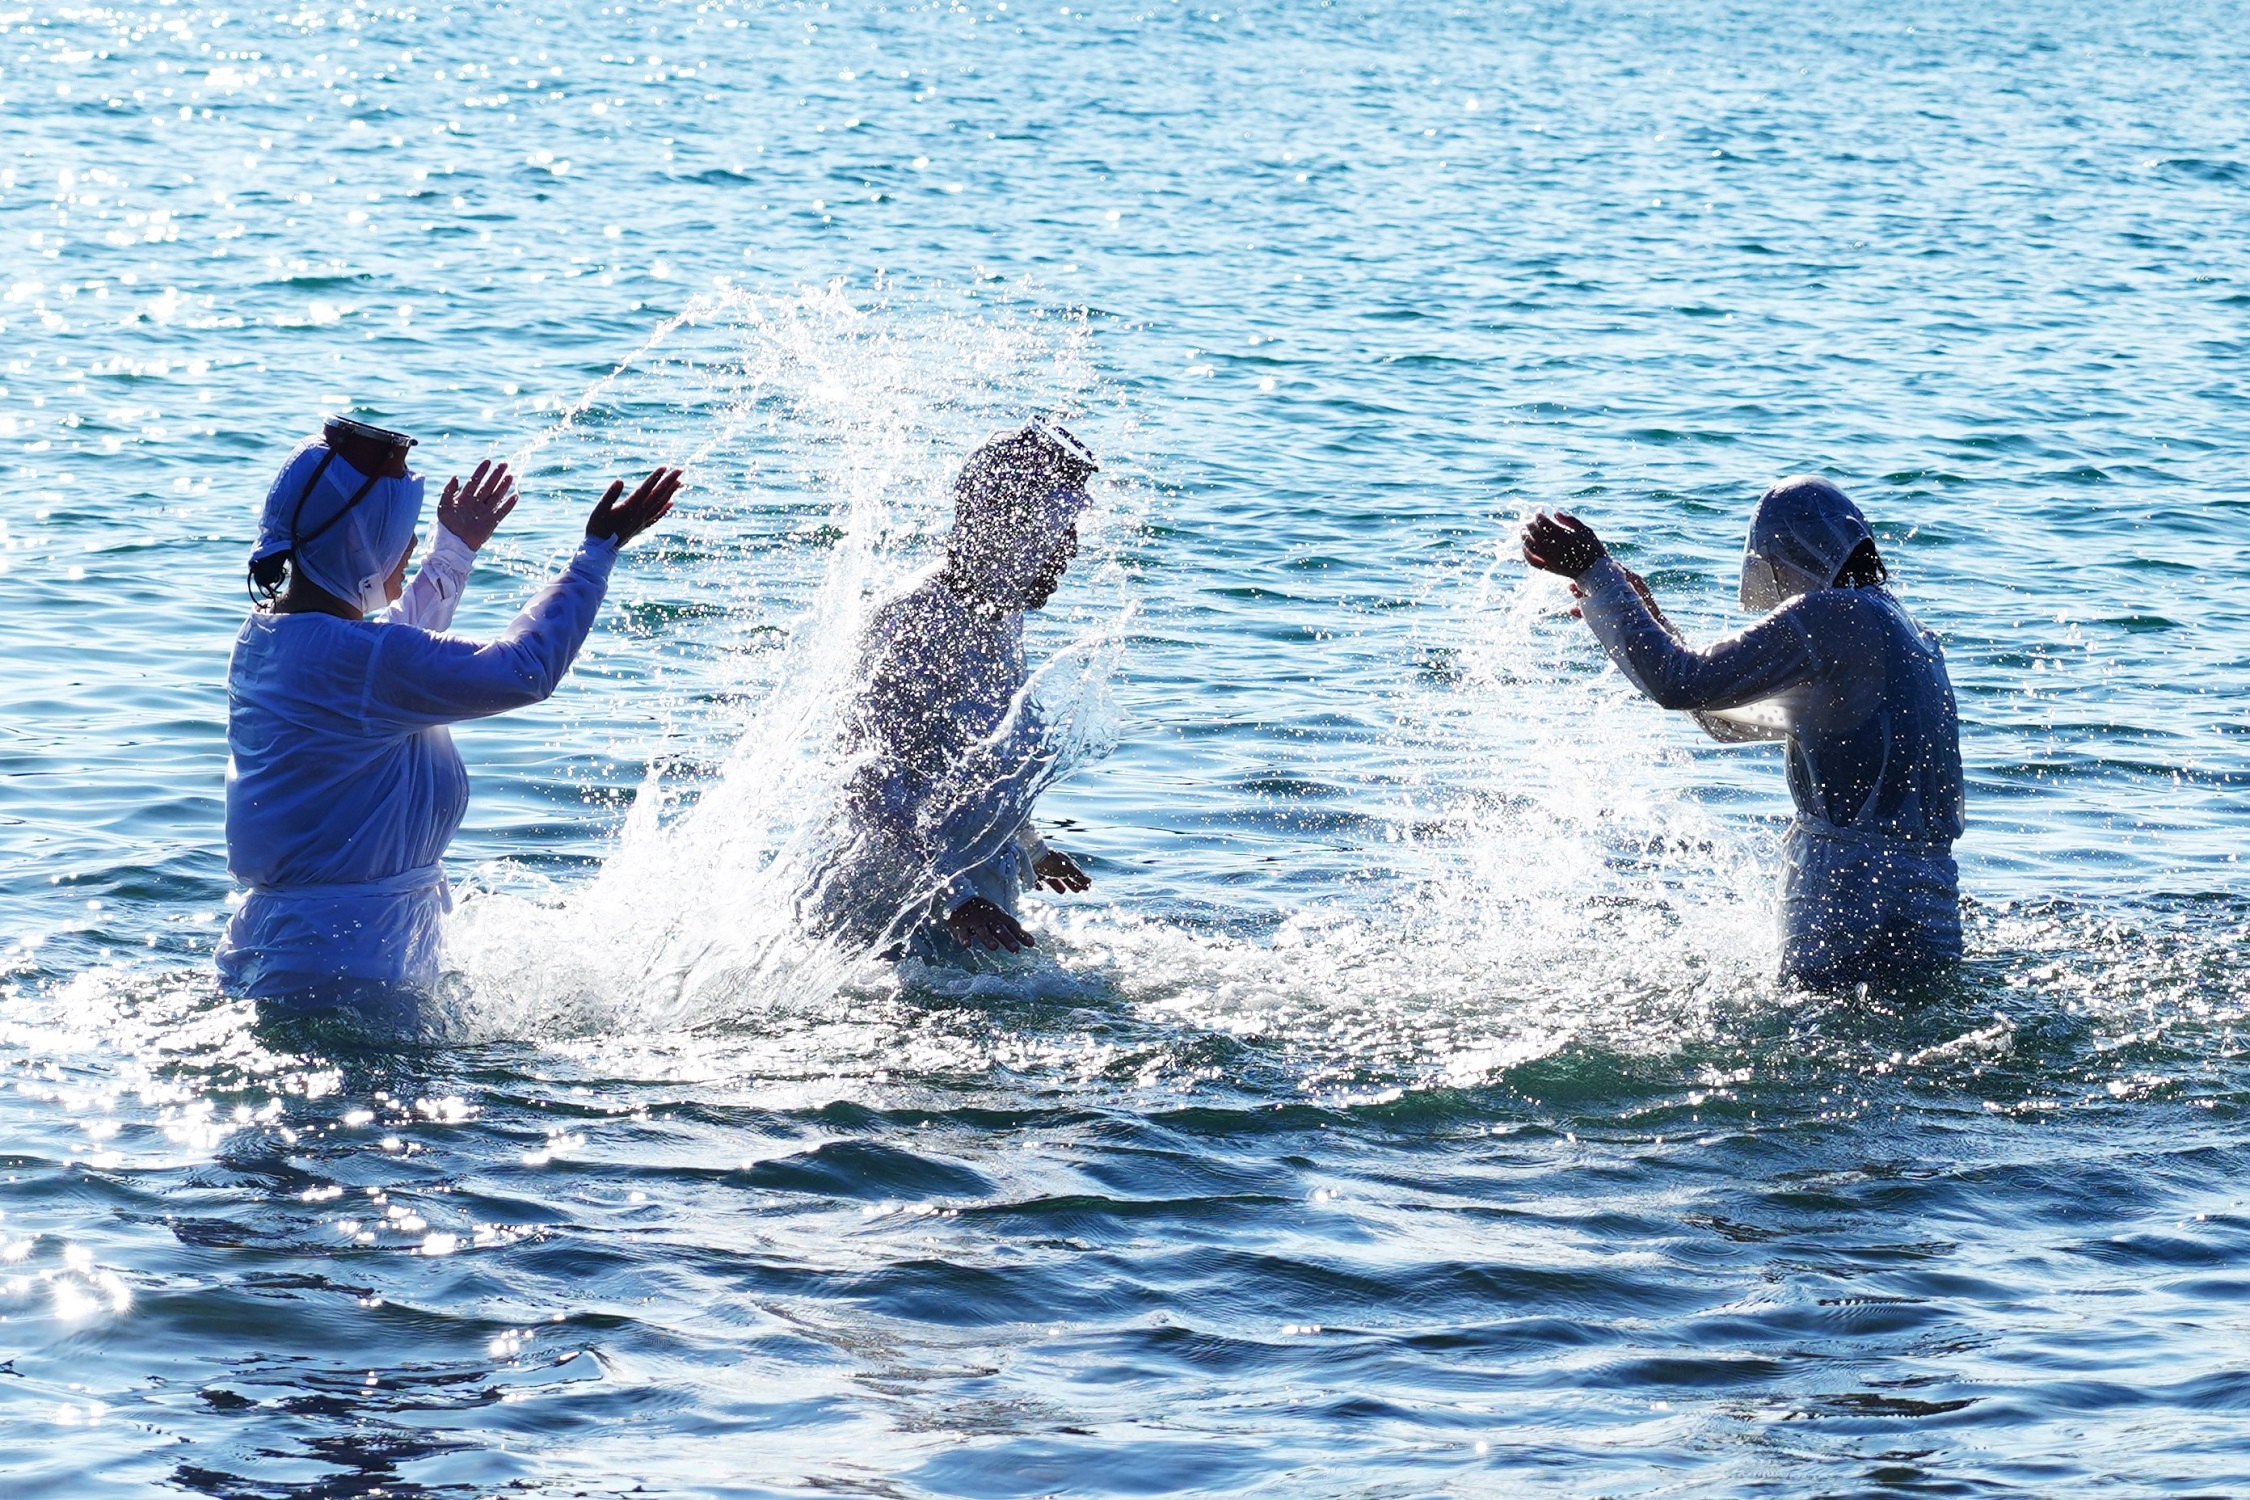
(897, 618)
(1836, 606)
(1826, 620)
(301, 651)
(400, 645)
(310, 630)
(1872, 606)
(921, 598)
(1921, 634)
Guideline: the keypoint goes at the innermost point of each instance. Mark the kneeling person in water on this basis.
(939, 840)
(1857, 690)
(343, 787)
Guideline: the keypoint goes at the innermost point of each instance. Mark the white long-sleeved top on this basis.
(435, 593)
(1846, 677)
(343, 786)
(955, 756)
(1859, 693)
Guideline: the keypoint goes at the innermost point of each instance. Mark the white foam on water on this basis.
(1555, 884)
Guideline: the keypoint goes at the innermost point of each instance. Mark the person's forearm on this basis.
(430, 600)
(1768, 658)
(417, 678)
(543, 641)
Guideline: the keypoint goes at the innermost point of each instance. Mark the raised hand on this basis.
(1561, 543)
(474, 511)
(977, 923)
(1059, 872)
(650, 501)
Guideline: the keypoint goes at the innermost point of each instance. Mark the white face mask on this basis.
(1768, 583)
(375, 588)
(1019, 567)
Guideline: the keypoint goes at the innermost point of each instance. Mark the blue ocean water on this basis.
(1408, 1110)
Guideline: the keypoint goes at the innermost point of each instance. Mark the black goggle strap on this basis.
(302, 495)
(254, 583)
(260, 591)
(297, 539)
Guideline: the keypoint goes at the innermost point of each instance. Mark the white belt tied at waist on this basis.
(1920, 844)
(404, 883)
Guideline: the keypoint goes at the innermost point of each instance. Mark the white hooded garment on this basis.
(344, 530)
(954, 757)
(1858, 692)
(343, 786)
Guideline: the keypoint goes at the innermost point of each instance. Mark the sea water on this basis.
(1409, 1109)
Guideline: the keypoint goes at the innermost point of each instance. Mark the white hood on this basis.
(1801, 535)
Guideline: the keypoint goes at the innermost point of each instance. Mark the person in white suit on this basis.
(938, 841)
(343, 786)
(1856, 690)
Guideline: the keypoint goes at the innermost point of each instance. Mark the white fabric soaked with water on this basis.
(1854, 906)
(344, 788)
(1860, 694)
(429, 601)
(955, 755)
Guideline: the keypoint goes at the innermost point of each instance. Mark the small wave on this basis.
(2203, 169)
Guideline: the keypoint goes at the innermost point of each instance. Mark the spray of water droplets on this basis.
(821, 436)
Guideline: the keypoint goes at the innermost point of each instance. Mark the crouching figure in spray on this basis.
(951, 752)
(1857, 691)
(343, 787)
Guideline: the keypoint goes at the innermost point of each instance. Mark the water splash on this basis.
(823, 435)
(1545, 881)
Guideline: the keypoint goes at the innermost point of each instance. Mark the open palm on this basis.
(625, 519)
(474, 511)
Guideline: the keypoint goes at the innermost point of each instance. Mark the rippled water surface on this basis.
(1408, 1111)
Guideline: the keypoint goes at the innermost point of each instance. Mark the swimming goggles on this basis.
(1060, 442)
(376, 452)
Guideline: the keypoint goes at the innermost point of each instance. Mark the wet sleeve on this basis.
(1772, 656)
(1763, 720)
(958, 891)
(998, 876)
(983, 842)
(416, 679)
(435, 593)
(1752, 722)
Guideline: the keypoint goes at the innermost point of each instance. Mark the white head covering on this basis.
(1061, 506)
(1801, 535)
(1014, 502)
(343, 531)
